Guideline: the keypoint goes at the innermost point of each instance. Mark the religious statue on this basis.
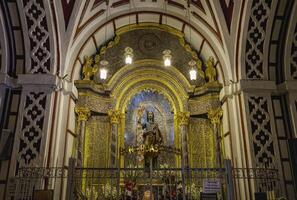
(210, 70)
(152, 139)
(88, 69)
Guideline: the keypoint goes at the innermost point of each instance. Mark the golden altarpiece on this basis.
(109, 112)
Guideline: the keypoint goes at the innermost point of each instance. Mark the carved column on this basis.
(215, 116)
(83, 115)
(115, 117)
(183, 121)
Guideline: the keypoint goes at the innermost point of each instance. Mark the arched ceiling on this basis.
(233, 32)
(201, 29)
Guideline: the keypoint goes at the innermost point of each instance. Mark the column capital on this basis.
(215, 115)
(115, 116)
(83, 113)
(183, 118)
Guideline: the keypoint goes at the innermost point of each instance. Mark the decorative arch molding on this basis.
(3, 45)
(284, 15)
(290, 51)
(123, 103)
(11, 39)
(153, 79)
(154, 67)
(170, 82)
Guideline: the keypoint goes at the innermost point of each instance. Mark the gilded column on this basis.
(215, 119)
(115, 117)
(183, 121)
(83, 115)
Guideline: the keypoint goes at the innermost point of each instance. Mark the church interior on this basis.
(148, 99)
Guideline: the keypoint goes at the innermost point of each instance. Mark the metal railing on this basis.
(31, 179)
(143, 183)
(263, 179)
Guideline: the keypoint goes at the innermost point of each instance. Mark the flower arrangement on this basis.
(92, 193)
(193, 191)
(109, 192)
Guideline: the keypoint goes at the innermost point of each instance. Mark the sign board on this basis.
(208, 196)
(211, 186)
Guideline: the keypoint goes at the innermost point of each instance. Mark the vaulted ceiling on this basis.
(249, 39)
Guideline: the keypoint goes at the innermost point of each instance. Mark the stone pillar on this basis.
(183, 122)
(215, 116)
(83, 115)
(115, 117)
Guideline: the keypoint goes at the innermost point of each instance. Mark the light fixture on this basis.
(193, 72)
(103, 70)
(167, 58)
(128, 55)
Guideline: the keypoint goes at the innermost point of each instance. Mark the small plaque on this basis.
(211, 186)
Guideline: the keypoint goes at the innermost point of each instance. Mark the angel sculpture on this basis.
(210, 70)
(88, 69)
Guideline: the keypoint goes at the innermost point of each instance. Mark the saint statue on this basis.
(152, 138)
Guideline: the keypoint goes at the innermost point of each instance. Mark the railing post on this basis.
(229, 180)
(70, 179)
(118, 175)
